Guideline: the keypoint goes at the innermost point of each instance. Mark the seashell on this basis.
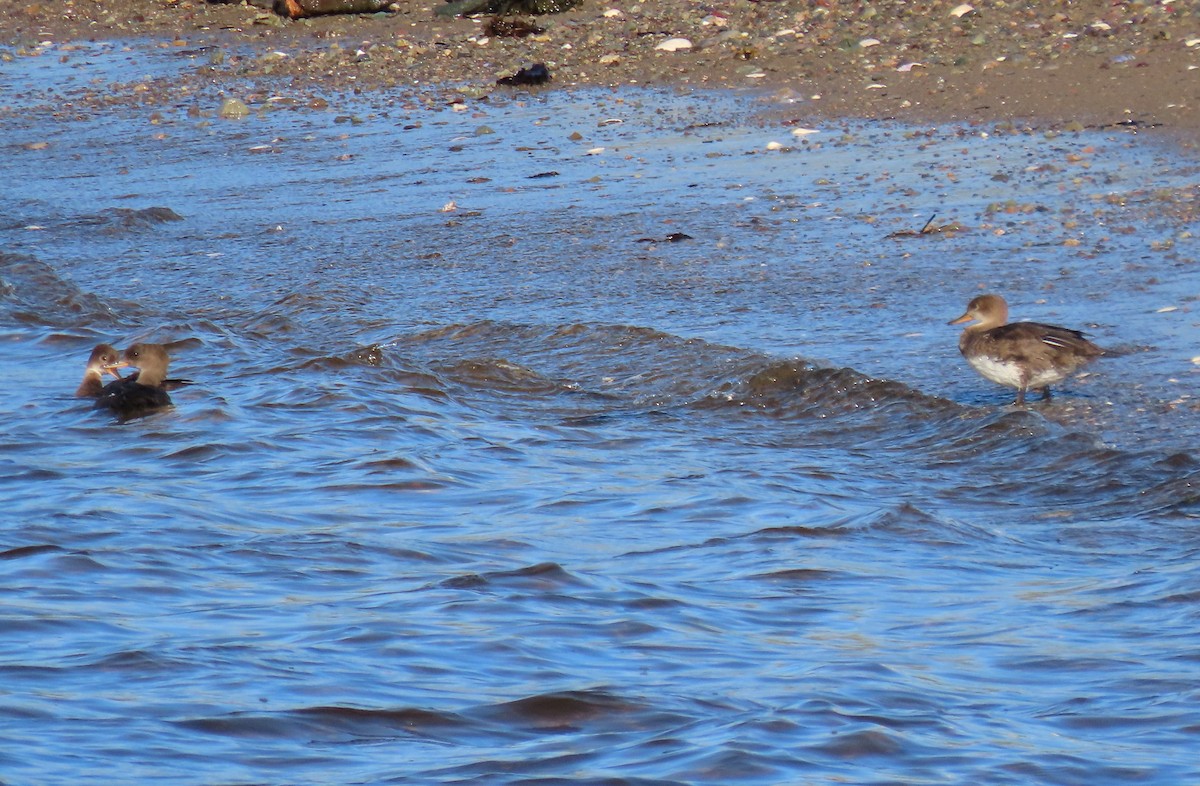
(960, 11)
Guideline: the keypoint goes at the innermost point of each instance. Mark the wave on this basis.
(537, 713)
(33, 294)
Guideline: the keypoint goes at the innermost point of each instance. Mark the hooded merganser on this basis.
(143, 392)
(103, 360)
(1022, 355)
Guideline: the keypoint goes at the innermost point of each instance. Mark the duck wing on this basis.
(128, 399)
(1037, 345)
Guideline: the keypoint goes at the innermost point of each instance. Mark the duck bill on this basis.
(111, 368)
(964, 318)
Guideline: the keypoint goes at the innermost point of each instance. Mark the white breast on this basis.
(1010, 373)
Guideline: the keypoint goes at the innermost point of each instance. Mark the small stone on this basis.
(960, 11)
(674, 45)
(234, 109)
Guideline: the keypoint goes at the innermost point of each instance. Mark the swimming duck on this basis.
(102, 361)
(1022, 355)
(141, 393)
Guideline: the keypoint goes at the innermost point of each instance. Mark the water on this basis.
(522, 492)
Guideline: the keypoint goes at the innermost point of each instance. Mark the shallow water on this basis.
(522, 492)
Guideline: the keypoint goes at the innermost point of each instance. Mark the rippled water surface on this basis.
(489, 476)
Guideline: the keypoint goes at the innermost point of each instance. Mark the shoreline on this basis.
(1059, 65)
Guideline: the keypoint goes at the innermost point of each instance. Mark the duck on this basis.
(141, 393)
(102, 361)
(1022, 355)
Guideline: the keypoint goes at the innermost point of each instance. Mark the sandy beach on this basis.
(1047, 64)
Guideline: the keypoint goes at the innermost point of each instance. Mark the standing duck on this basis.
(103, 360)
(1022, 355)
(140, 393)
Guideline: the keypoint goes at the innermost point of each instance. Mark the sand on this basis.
(1047, 65)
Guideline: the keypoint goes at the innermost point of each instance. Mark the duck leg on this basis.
(1046, 393)
(1021, 388)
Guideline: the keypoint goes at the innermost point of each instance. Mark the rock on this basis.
(234, 109)
(536, 74)
(674, 45)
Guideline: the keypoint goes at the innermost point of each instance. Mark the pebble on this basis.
(234, 109)
(675, 45)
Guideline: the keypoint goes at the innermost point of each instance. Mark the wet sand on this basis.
(1047, 65)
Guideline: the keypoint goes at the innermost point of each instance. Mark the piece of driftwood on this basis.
(297, 9)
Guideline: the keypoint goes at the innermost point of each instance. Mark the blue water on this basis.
(524, 492)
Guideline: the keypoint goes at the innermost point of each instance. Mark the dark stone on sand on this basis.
(536, 74)
(511, 28)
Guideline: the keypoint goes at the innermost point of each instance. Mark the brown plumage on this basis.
(1022, 355)
(102, 361)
